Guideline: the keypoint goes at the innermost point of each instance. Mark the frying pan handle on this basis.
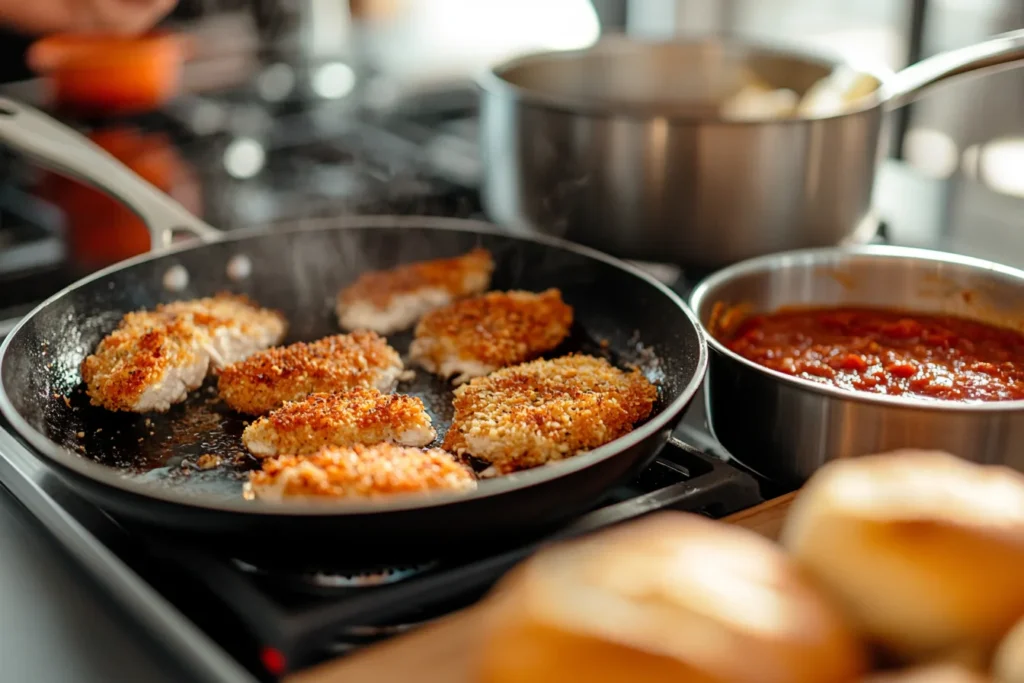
(61, 149)
(907, 85)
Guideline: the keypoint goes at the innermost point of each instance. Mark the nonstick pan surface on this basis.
(148, 470)
(146, 467)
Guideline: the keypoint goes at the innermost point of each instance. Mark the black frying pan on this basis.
(142, 468)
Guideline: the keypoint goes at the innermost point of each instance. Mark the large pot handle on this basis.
(907, 85)
(61, 149)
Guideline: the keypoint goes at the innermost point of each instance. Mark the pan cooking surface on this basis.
(167, 449)
(617, 315)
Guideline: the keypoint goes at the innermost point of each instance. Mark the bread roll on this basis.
(673, 597)
(1009, 660)
(925, 551)
(932, 673)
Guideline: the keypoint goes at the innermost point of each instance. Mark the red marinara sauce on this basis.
(888, 352)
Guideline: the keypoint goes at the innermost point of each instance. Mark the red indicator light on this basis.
(273, 660)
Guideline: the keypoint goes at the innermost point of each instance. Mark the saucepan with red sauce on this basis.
(829, 353)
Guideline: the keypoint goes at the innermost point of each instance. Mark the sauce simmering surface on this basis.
(888, 352)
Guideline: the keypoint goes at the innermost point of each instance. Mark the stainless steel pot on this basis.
(786, 428)
(621, 146)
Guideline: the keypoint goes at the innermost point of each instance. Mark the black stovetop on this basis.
(228, 619)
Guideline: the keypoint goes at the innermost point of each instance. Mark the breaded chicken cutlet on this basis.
(268, 379)
(154, 358)
(357, 416)
(474, 337)
(359, 472)
(236, 326)
(387, 301)
(150, 362)
(546, 410)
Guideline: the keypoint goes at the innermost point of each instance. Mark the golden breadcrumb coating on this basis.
(145, 348)
(476, 336)
(546, 410)
(237, 325)
(155, 357)
(387, 301)
(266, 380)
(360, 471)
(225, 309)
(460, 276)
(357, 416)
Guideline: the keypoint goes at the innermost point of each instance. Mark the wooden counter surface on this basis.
(441, 652)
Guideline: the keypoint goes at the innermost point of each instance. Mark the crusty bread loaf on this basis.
(924, 551)
(1009, 660)
(930, 673)
(669, 598)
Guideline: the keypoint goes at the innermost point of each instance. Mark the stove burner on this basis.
(357, 636)
(335, 580)
(383, 630)
(352, 638)
(380, 577)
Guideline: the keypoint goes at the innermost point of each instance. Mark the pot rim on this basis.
(705, 290)
(492, 81)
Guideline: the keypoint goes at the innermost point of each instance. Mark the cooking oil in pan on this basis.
(196, 446)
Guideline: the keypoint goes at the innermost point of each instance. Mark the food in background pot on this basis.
(835, 94)
(897, 353)
(840, 91)
(924, 550)
(759, 101)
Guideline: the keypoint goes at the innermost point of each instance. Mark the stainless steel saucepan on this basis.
(633, 147)
(786, 427)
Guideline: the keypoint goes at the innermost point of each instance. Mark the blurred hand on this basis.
(118, 17)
